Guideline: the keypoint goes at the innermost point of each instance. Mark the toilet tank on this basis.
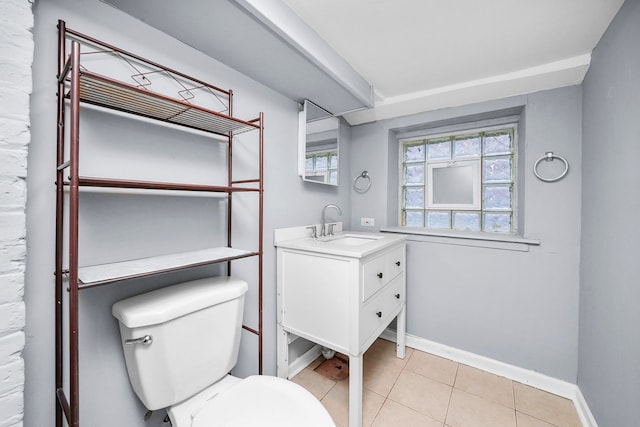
(195, 336)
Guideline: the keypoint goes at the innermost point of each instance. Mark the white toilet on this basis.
(180, 342)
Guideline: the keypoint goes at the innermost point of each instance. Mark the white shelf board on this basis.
(106, 273)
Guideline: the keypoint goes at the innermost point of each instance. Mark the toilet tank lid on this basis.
(173, 301)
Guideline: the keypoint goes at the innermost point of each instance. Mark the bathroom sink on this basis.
(350, 240)
(354, 244)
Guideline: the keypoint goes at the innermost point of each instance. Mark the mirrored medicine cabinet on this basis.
(318, 145)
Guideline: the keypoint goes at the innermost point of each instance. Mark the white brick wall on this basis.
(16, 55)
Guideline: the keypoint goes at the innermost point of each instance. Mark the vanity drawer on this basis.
(379, 312)
(374, 276)
(381, 270)
(395, 262)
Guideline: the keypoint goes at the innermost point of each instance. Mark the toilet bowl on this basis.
(257, 400)
(180, 342)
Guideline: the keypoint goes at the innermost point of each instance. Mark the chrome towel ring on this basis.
(549, 157)
(362, 182)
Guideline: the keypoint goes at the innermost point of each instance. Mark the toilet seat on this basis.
(262, 401)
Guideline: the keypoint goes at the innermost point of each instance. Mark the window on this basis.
(322, 167)
(460, 181)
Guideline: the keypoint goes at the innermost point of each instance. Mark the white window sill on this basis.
(452, 237)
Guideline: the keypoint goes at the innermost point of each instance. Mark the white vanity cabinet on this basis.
(341, 296)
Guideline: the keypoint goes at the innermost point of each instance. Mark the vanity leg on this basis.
(282, 342)
(401, 337)
(355, 390)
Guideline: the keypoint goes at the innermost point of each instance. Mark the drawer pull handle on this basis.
(398, 263)
(380, 275)
(398, 296)
(379, 314)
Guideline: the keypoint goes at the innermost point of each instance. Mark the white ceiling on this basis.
(229, 32)
(389, 58)
(426, 54)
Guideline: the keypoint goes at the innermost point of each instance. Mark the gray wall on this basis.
(517, 307)
(609, 351)
(121, 227)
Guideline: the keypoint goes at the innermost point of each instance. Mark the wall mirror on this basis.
(318, 145)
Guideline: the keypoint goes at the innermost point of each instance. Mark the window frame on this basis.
(511, 123)
(475, 205)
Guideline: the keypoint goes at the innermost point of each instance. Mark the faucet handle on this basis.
(314, 231)
(330, 232)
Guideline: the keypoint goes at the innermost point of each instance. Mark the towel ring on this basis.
(549, 157)
(358, 186)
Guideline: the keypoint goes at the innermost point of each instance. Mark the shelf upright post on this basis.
(74, 384)
(260, 238)
(59, 219)
(229, 181)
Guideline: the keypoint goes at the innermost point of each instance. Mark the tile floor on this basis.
(430, 391)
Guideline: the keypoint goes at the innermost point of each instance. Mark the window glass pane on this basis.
(322, 162)
(438, 219)
(497, 142)
(466, 146)
(497, 222)
(308, 164)
(333, 177)
(333, 161)
(426, 163)
(414, 153)
(414, 174)
(414, 218)
(468, 221)
(496, 197)
(496, 169)
(414, 197)
(439, 149)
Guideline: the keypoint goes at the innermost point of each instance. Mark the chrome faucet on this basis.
(323, 230)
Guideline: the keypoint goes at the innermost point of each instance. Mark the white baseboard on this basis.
(586, 417)
(305, 360)
(521, 375)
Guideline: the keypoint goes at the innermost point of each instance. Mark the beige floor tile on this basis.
(468, 410)
(380, 373)
(420, 394)
(434, 367)
(394, 414)
(545, 406)
(337, 403)
(427, 396)
(389, 359)
(381, 347)
(318, 385)
(525, 420)
(486, 385)
(385, 349)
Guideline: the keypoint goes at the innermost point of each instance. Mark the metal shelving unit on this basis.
(77, 86)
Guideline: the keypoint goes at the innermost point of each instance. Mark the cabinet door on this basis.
(315, 297)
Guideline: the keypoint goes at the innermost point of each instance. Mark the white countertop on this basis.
(344, 243)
